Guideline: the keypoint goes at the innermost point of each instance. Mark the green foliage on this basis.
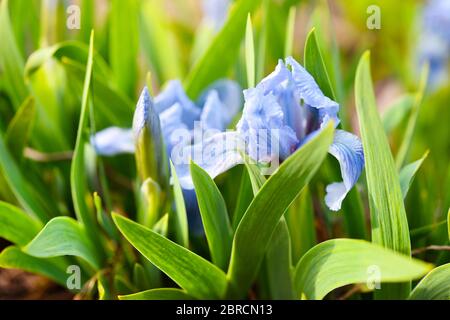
(339, 262)
(191, 272)
(259, 221)
(267, 234)
(222, 51)
(388, 216)
(214, 216)
(435, 286)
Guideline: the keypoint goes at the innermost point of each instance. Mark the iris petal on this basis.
(348, 150)
(113, 140)
(172, 94)
(229, 93)
(308, 91)
(216, 154)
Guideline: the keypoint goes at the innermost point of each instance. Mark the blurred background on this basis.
(43, 53)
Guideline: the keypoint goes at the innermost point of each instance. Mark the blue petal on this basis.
(229, 94)
(172, 126)
(263, 119)
(172, 94)
(308, 91)
(112, 141)
(348, 150)
(215, 155)
(212, 116)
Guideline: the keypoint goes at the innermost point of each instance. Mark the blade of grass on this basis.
(388, 216)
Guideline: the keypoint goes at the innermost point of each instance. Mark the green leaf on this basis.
(78, 179)
(19, 128)
(300, 220)
(290, 31)
(72, 50)
(278, 263)
(63, 236)
(11, 62)
(16, 226)
(221, 54)
(124, 43)
(198, 277)
(23, 191)
(260, 220)
(178, 219)
(315, 65)
(214, 216)
(104, 96)
(250, 53)
(13, 258)
(335, 263)
(408, 173)
(158, 41)
(388, 216)
(158, 294)
(396, 112)
(435, 285)
(257, 179)
(410, 128)
(245, 197)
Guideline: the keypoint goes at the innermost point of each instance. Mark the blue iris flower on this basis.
(177, 115)
(434, 45)
(290, 103)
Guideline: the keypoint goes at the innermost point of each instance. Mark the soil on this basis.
(20, 285)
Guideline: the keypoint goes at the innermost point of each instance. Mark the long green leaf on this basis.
(158, 294)
(13, 258)
(396, 112)
(222, 52)
(435, 286)
(214, 216)
(63, 236)
(278, 264)
(11, 62)
(78, 180)
(16, 226)
(339, 262)
(250, 53)
(388, 216)
(158, 41)
(407, 139)
(316, 66)
(25, 194)
(245, 197)
(19, 128)
(198, 277)
(300, 221)
(408, 173)
(123, 44)
(178, 222)
(261, 218)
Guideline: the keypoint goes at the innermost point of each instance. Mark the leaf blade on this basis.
(214, 215)
(338, 262)
(191, 272)
(388, 216)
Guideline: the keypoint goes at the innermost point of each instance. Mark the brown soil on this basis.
(20, 285)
